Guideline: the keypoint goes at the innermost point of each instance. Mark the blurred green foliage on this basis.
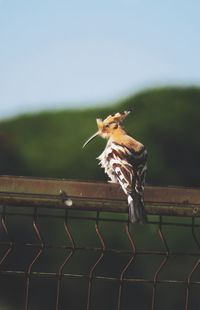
(49, 144)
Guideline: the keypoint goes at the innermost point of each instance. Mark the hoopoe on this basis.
(124, 161)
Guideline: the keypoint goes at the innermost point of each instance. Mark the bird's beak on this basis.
(91, 138)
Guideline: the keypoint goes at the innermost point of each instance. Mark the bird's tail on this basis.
(136, 209)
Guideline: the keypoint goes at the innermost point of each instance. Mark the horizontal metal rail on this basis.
(95, 196)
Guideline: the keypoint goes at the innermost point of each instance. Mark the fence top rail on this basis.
(96, 196)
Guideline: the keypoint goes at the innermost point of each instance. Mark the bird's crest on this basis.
(117, 117)
(112, 120)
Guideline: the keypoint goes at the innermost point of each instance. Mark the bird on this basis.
(124, 160)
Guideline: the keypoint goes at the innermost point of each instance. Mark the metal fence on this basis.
(69, 245)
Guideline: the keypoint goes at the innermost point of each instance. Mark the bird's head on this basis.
(108, 126)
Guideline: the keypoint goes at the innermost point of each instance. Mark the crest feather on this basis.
(117, 117)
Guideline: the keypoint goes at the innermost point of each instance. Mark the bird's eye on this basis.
(107, 126)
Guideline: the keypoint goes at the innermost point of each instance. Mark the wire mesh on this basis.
(60, 258)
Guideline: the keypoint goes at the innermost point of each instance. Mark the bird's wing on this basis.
(139, 163)
(123, 169)
(130, 167)
(140, 179)
(130, 170)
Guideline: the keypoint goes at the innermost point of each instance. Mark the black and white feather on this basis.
(128, 168)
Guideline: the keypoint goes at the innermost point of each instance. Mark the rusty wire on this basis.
(126, 266)
(41, 247)
(92, 269)
(91, 272)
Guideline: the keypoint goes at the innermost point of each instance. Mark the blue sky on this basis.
(80, 53)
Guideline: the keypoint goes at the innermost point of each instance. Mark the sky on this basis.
(76, 53)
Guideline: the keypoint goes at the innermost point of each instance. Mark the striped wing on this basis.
(121, 166)
(139, 162)
(130, 168)
(125, 166)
